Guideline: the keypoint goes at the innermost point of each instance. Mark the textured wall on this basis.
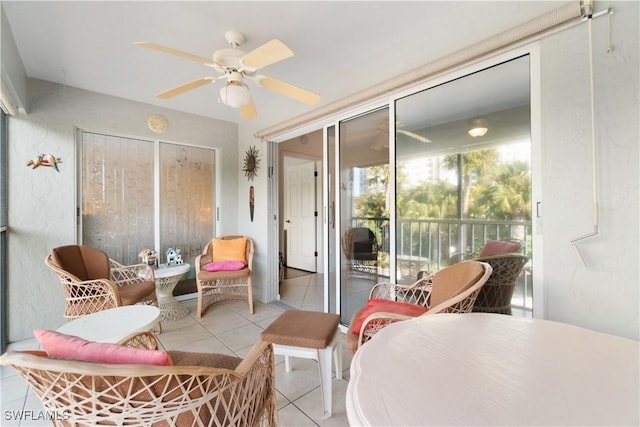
(604, 295)
(42, 202)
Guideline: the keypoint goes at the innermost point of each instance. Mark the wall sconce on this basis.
(478, 128)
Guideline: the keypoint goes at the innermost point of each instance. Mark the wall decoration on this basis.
(174, 256)
(149, 257)
(48, 160)
(251, 162)
(251, 202)
(157, 123)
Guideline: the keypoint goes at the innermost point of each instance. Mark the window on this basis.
(139, 194)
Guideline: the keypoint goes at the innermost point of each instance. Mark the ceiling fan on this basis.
(234, 66)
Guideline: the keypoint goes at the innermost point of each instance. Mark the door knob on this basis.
(289, 221)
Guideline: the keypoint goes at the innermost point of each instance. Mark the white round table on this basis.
(167, 277)
(491, 369)
(114, 324)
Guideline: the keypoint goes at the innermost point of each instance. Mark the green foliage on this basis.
(490, 190)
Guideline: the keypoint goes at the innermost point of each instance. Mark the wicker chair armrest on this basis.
(124, 275)
(203, 259)
(260, 350)
(142, 340)
(376, 321)
(415, 293)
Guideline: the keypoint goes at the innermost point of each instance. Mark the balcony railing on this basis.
(430, 244)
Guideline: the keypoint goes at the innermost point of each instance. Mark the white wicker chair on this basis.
(452, 289)
(237, 392)
(220, 286)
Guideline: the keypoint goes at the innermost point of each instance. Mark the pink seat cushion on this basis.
(497, 247)
(225, 266)
(377, 305)
(63, 346)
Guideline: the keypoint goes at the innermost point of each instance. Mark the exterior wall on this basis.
(42, 202)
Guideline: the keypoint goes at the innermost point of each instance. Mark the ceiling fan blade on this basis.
(289, 90)
(176, 52)
(184, 87)
(414, 135)
(269, 53)
(248, 111)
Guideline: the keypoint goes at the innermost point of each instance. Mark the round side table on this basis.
(167, 277)
(114, 324)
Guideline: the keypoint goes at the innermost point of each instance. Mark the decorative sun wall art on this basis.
(251, 163)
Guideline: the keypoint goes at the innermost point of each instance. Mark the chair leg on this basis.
(324, 365)
(337, 358)
(250, 295)
(200, 302)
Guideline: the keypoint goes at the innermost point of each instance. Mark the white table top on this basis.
(491, 369)
(114, 324)
(164, 271)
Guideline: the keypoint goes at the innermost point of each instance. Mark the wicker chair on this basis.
(220, 286)
(200, 390)
(495, 295)
(93, 282)
(452, 289)
(360, 247)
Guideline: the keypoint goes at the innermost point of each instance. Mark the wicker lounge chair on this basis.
(452, 289)
(360, 247)
(495, 295)
(217, 286)
(93, 282)
(200, 390)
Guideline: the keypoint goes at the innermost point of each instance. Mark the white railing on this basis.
(430, 244)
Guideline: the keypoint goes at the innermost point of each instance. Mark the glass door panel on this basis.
(364, 207)
(117, 195)
(463, 171)
(186, 199)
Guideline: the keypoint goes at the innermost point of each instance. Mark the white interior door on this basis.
(300, 216)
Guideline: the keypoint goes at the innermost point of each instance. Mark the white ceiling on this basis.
(340, 47)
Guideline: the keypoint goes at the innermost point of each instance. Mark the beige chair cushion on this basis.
(210, 360)
(222, 275)
(299, 328)
(133, 294)
(452, 280)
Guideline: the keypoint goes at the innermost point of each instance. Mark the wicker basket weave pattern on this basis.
(89, 394)
(90, 296)
(223, 286)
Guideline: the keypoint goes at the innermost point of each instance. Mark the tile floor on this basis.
(225, 328)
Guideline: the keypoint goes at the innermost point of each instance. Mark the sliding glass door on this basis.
(460, 175)
(363, 194)
(463, 171)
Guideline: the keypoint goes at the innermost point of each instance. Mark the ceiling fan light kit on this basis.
(235, 95)
(234, 65)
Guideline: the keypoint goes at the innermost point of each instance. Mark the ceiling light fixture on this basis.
(235, 95)
(479, 128)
